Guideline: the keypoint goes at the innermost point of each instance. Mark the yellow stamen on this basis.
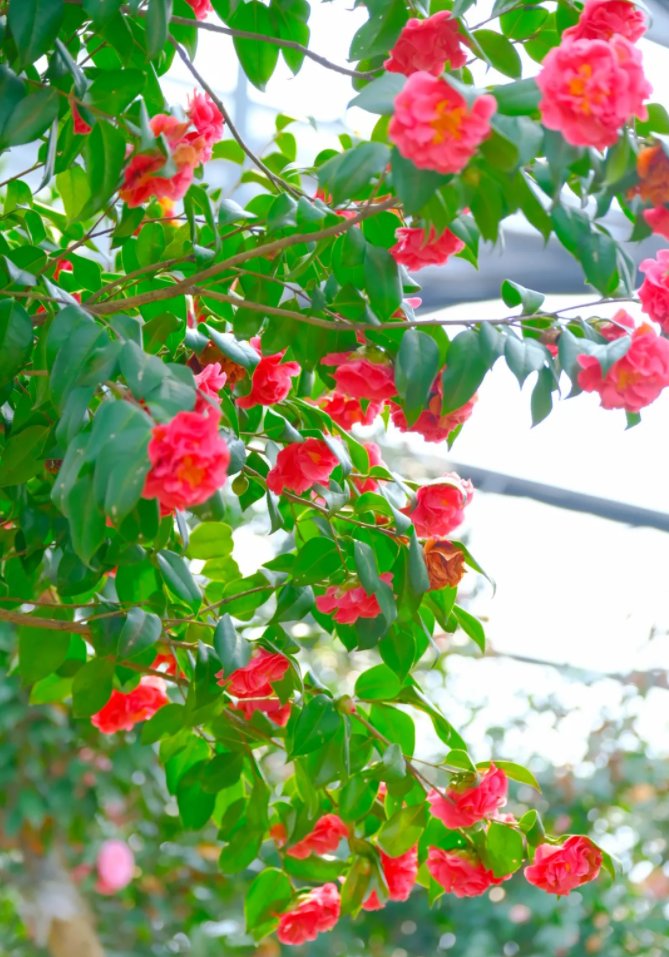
(447, 124)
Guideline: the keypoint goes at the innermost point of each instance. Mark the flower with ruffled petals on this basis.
(252, 685)
(432, 424)
(189, 460)
(400, 874)
(591, 88)
(445, 563)
(315, 914)
(439, 508)
(324, 838)
(464, 806)
(658, 220)
(270, 382)
(636, 379)
(360, 377)
(435, 127)
(603, 19)
(460, 872)
(427, 45)
(115, 865)
(347, 412)
(301, 465)
(124, 710)
(201, 8)
(209, 383)
(351, 602)
(559, 869)
(654, 290)
(208, 122)
(416, 249)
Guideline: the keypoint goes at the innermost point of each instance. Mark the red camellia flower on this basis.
(400, 874)
(209, 383)
(414, 249)
(140, 182)
(301, 465)
(316, 913)
(348, 412)
(123, 711)
(279, 834)
(658, 220)
(635, 380)
(439, 508)
(603, 19)
(460, 872)
(252, 686)
(360, 377)
(591, 88)
(431, 424)
(350, 603)
(324, 838)
(427, 45)
(201, 8)
(62, 265)
(208, 122)
(462, 807)
(435, 128)
(81, 127)
(189, 460)
(270, 382)
(558, 870)
(654, 290)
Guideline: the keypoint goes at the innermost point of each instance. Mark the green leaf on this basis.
(87, 521)
(269, 894)
(382, 282)
(30, 118)
(22, 456)
(73, 188)
(16, 339)
(470, 625)
(378, 34)
(504, 849)
(240, 352)
(378, 96)
(318, 559)
(41, 652)
(532, 827)
(104, 153)
(178, 578)
(414, 186)
(121, 464)
(524, 356)
(514, 771)
(416, 367)
(403, 829)
(514, 294)
(377, 684)
(92, 687)
(466, 366)
(518, 99)
(365, 563)
(232, 649)
(541, 402)
(141, 630)
(258, 60)
(317, 723)
(346, 174)
(167, 721)
(157, 25)
(34, 25)
(499, 52)
(210, 540)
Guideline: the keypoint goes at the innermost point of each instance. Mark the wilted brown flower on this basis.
(445, 563)
(653, 168)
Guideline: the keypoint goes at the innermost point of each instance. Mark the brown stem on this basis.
(49, 624)
(275, 310)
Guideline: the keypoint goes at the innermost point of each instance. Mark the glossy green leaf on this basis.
(34, 25)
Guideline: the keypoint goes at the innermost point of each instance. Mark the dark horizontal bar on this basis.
(499, 484)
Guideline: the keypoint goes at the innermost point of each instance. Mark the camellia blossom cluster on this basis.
(190, 143)
(462, 807)
(126, 709)
(252, 686)
(315, 914)
(348, 604)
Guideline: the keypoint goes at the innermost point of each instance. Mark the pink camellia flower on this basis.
(558, 870)
(350, 603)
(209, 383)
(427, 45)
(124, 710)
(658, 220)
(400, 874)
(654, 290)
(591, 88)
(462, 807)
(301, 465)
(621, 324)
(636, 379)
(348, 412)
(361, 378)
(115, 866)
(603, 19)
(189, 460)
(435, 128)
(201, 8)
(208, 122)
(416, 249)
(324, 838)
(81, 127)
(374, 455)
(460, 872)
(431, 424)
(315, 914)
(270, 382)
(140, 182)
(252, 686)
(439, 508)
